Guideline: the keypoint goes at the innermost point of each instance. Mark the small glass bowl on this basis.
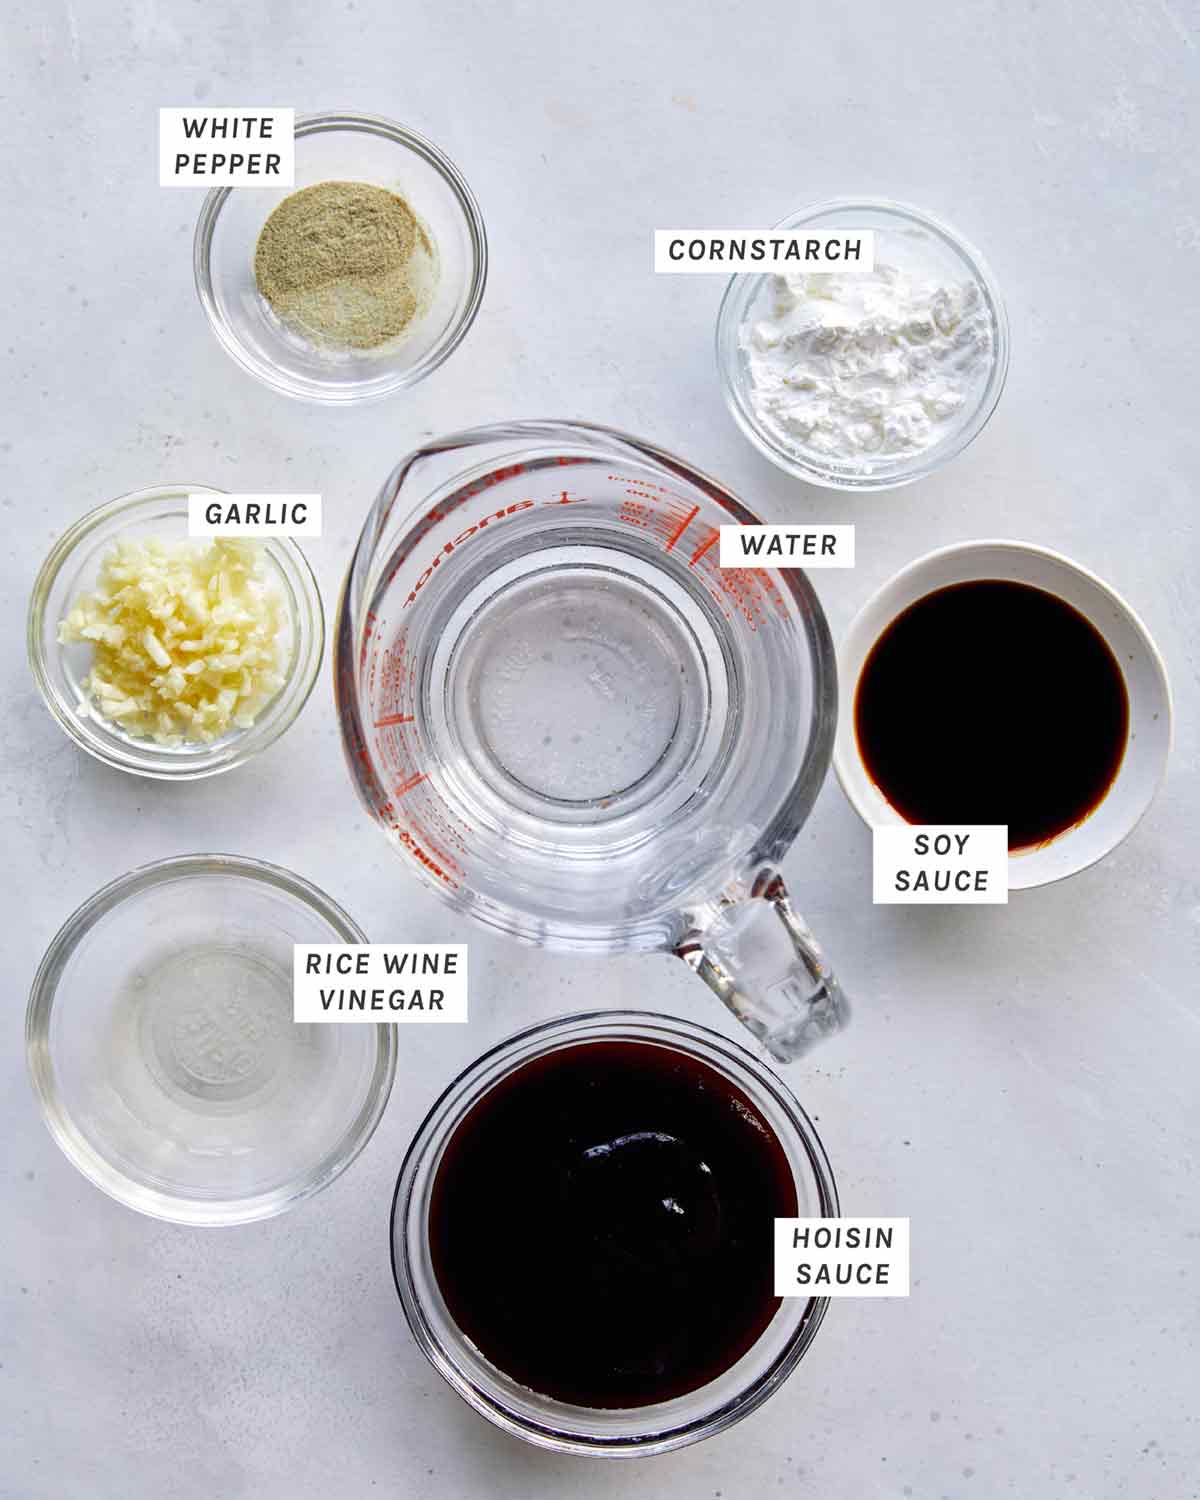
(163, 1053)
(72, 569)
(944, 252)
(346, 148)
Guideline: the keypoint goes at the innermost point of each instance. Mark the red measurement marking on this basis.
(407, 786)
(389, 719)
(421, 857)
(498, 476)
(703, 548)
(683, 526)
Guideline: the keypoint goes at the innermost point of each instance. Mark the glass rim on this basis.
(148, 759)
(795, 804)
(449, 1109)
(736, 299)
(352, 394)
(204, 1213)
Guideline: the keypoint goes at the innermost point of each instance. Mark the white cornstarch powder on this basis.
(860, 367)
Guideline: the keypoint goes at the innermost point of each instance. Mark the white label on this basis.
(226, 147)
(379, 982)
(254, 515)
(941, 864)
(753, 251)
(841, 1257)
(787, 546)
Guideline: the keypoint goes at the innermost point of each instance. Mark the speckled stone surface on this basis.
(1021, 1081)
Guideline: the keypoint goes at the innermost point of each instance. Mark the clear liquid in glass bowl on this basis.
(164, 1054)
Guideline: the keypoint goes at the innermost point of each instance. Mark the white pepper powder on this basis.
(346, 263)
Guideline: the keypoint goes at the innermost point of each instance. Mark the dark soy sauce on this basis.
(992, 702)
(601, 1223)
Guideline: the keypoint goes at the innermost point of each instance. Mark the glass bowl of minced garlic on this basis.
(167, 655)
(358, 280)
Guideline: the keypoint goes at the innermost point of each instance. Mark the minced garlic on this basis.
(188, 637)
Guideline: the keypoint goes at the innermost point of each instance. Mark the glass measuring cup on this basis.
(575, 725)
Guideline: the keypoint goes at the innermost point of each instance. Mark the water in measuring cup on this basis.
(578, 726)
(580, 691)
(583, 682)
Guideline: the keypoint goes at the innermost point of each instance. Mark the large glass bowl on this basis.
(163, 1052)
(558, 1425)
(71, 570)
(913, 239)
(347, 148)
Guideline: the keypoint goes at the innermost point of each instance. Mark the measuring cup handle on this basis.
(757, 954)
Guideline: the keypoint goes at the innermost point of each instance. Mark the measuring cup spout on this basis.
(758, 955)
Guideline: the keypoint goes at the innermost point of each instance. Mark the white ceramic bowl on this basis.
(1150, 716)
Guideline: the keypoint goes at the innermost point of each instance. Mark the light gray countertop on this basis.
(1022, 1081)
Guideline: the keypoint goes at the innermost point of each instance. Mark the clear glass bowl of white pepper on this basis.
(355, 282)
